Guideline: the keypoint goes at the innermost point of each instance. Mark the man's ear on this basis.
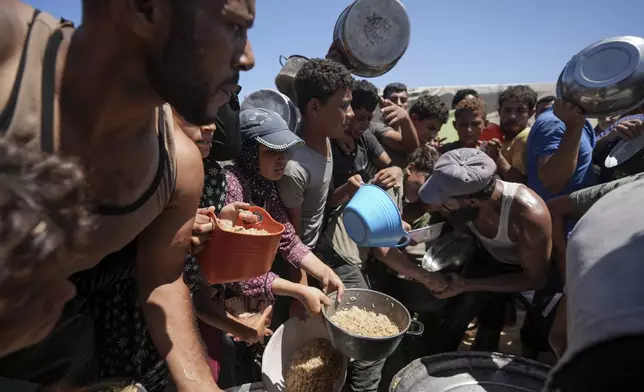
(313, 107)
(145, 16)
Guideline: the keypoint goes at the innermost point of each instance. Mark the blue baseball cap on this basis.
(268, 128)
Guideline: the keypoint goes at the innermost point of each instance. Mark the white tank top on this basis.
(501, 247)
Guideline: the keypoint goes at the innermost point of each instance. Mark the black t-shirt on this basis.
(368, 149)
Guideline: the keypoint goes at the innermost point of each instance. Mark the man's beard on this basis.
(507, 128)
(461, 217)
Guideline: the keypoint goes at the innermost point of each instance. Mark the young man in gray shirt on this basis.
(323, 88)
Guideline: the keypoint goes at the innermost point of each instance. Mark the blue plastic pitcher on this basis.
(372, 219)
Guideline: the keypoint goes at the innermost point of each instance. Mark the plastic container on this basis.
(233, 257)
(372, 219)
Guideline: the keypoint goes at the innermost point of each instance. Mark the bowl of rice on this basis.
(368, 325)
(239, 251)
(300, 358)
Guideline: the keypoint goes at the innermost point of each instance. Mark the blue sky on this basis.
(462, 42)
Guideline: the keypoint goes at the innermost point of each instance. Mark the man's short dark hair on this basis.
(461, 94)
(428, 106)
(547, 98)
(364, 96)
(43, 215)
(424, 159)
(393, 88)
(522, 93)
(320, 79)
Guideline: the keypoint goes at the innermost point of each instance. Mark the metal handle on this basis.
(283, 60)
(416, 328)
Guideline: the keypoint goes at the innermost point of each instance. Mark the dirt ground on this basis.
(510, 341)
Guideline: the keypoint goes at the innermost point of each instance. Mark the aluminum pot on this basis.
(284, 81)
(373, 35)
(471, 371)
(275, 101)
(367, 348)
(606, 78)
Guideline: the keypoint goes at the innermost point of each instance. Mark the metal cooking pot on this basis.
(373, 35)
(449, 253)
(471, 371)
(284, 81)
(606, 78)
(275, 101)
(367, 348)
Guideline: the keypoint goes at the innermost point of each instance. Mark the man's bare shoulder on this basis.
(530, 208)
(14, 24)
(190, 172)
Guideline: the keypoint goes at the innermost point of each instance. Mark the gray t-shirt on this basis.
(604, 270)
(398, 158)
(305, 184)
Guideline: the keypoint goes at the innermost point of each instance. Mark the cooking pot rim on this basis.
(334, 294)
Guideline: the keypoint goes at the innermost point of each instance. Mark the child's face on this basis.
(469, 126)
(413, 181)
(427, 129)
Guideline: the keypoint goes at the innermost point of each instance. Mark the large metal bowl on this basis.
(606, 78)
(367, 348)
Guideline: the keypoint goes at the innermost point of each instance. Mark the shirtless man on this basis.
(513, 226)
(96, 105)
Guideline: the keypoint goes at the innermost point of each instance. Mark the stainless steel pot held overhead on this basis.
(606, 78)
(373, 35)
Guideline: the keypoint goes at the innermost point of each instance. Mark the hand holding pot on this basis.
(202, 228)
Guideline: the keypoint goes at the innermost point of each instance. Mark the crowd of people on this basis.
(123, 137)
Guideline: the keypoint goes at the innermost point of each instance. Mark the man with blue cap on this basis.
(513, 228)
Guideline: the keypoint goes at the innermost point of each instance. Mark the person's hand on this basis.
(604, 123)
(259, 323)
(313, 299)
(493, 149)
(331, 282)
(435, 281)
(335, 54)
(202, 228)
(437, 143)
(346, 143)
(236, 210)
(392, 114)
(388, 178)
(456, 285)
(355, 182)
(571, 114)
(630, 129)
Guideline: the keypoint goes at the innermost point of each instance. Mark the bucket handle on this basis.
(416, 328)
(405, 242)
(283, 60)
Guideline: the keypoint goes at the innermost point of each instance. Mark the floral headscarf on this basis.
(260, 189)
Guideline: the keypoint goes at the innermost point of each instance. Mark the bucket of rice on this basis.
(300, 358)
(238, 251)
(368, 325)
